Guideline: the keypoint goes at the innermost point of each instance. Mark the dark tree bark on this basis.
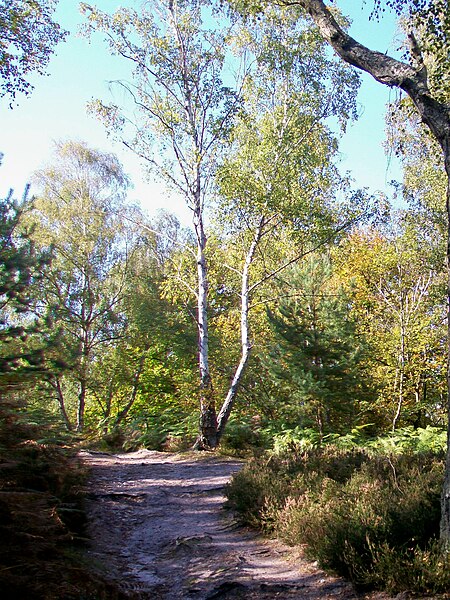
(413, 80)
(56, 385)
(81, 405)
(136, 380)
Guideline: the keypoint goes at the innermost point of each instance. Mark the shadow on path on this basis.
(157, 522)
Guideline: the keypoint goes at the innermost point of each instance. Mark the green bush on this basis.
(424, 571)
(282, 439)
(166, 430)
(253, 491)
(408, 439)
(241, 435)
(372, 518)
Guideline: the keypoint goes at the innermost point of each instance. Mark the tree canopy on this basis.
(28, 36)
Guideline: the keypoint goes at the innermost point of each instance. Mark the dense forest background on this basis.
(345, 293)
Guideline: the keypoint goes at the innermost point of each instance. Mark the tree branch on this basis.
(383, 68)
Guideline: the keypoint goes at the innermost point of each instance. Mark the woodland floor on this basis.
(159, 531)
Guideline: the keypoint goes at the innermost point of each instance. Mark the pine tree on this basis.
(22, 335)
(317, 355)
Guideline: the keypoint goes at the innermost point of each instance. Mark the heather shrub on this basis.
(255, 491)
(424, 571)
(42, 517)
(373, 518)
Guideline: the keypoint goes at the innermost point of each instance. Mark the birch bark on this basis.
(227, 405)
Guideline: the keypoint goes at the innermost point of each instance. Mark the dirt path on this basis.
(157, 521)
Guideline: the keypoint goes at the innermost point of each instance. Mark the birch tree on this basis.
(76, 214)
(278, 182)
(396, 301)
(181, 111)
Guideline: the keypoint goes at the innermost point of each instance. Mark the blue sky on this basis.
(362, 147)
(80, 71)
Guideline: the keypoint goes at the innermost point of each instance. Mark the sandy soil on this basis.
(158, 526)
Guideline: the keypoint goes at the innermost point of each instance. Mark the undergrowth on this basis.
(370, 516)
(42, 554)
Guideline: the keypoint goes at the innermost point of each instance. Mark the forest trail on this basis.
(157, 523)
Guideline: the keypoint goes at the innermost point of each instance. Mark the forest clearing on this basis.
(286, 353)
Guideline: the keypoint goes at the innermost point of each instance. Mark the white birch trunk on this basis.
(228, 403)
(401, 368)
(208, 420)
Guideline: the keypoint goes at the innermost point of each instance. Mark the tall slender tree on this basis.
(395, 298)
(181, 113)
(77, 214)
(278, 183)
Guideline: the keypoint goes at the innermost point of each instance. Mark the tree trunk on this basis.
(56, 384)
(227, 406)
(136, 379)
(228, 403)
(207, 439)
(401, 369)
(435, 114)
(81, 406)
(445, 498)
